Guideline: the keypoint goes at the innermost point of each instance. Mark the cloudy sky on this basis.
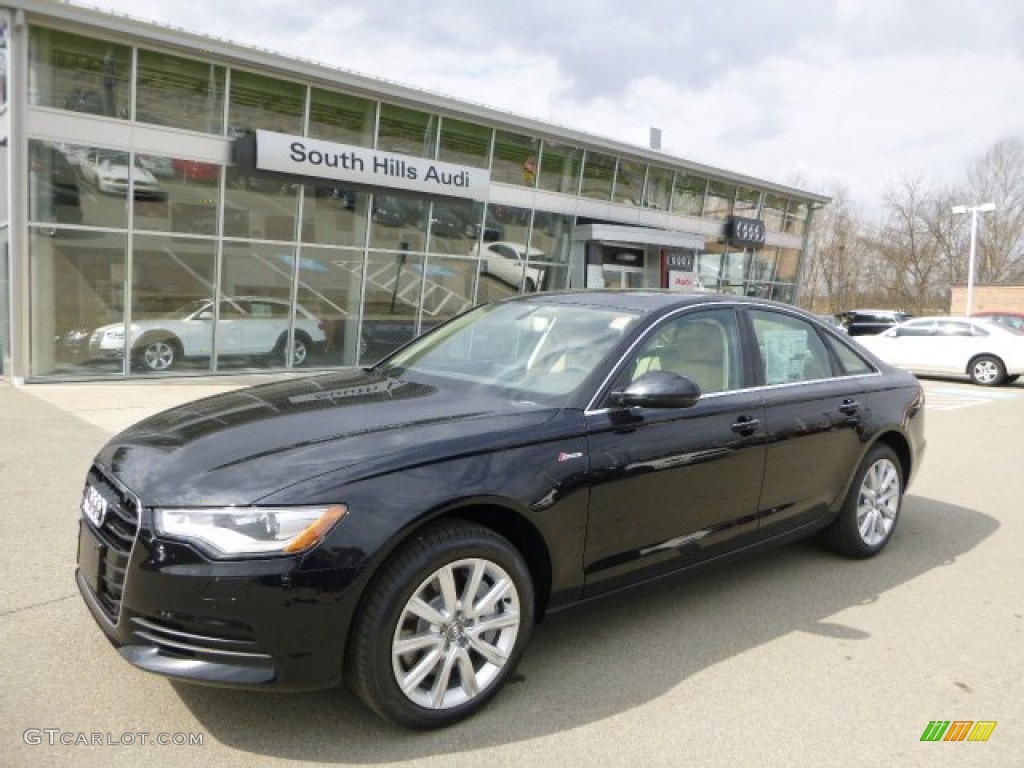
(805, 92)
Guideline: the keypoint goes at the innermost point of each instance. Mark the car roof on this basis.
(646, 301)
(874, 312)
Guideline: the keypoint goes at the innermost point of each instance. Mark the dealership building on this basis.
(173, 204)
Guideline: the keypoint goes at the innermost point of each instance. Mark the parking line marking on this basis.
(952, 398)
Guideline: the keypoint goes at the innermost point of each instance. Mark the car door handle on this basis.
(745, 425)
(849, 407)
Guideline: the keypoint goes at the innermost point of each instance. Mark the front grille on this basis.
(211, 640)
(117, 534)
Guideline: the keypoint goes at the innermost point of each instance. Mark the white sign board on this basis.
(342, 162)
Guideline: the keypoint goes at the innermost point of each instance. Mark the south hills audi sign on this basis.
(299, 156)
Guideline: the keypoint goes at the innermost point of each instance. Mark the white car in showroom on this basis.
(988, 353)
(109, 172)
(247, 326)
(508, 262)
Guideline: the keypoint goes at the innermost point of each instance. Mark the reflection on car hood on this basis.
(241, 446)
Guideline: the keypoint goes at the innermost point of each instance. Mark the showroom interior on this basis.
(178, 205)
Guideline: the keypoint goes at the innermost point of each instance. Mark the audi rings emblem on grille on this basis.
(94, 506)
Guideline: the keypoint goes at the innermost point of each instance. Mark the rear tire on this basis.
(300, 349)
(868, 517)
(443, 626)
(987, 371)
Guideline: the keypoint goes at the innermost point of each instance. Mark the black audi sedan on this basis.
(404, 526)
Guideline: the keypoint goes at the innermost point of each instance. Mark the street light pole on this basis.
(974, 210)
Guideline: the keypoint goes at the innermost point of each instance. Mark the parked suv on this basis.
(867, 322)
(247, 326)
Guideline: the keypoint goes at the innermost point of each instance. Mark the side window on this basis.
(231, 310)
(703, 346)
(852, 363)
(261, 309)
(917, 329)
(791, 349)
(953, 328)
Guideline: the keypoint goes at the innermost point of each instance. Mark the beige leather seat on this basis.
(697, 351)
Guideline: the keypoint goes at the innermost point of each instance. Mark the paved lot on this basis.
(794, 658)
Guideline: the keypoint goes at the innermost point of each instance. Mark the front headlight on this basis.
(238, 531)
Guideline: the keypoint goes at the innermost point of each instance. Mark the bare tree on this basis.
(911, 261)
(998, 177)
(832, 277)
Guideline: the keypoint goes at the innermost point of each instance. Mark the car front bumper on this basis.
(252, 623)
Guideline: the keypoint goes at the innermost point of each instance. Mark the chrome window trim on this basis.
(591, 410)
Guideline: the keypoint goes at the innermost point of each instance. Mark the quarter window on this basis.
(852, 363)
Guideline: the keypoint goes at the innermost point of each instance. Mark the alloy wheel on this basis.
(456, 633)
(986, 371)
(878, 502)
(158, 356)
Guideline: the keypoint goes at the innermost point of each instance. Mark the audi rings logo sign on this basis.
(94, 506)
(748, 233)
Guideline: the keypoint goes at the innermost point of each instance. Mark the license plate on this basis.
(94, 506)
(90, 557)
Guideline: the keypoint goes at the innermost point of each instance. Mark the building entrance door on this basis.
(618, 257)
(619, 277)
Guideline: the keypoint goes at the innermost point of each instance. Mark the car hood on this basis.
(240, 447)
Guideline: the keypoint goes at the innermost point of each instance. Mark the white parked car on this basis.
(988, 353)
(248, 326)
(507, 262)
(108, 171)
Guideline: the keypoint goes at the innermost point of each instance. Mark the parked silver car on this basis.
(246, 326)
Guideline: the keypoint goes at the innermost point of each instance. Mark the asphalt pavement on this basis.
(792, 658)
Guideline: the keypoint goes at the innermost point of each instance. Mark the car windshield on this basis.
(534, 351)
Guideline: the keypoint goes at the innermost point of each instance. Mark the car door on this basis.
(675, 486)
(195, 330)
(231, 328)
(265, 327)
(947, 347)
(908, 345)
(813, 414)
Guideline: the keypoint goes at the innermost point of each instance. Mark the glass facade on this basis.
(145, 263)
(179, 92)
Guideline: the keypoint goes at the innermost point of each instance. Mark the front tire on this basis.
(868, 517)
(443, 626)
(158, 355)
(987, 371)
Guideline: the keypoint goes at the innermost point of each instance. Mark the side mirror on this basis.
(657, 389)
(206, 314)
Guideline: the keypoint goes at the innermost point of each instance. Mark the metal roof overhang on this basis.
(637, 236)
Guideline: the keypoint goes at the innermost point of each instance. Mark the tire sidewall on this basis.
(145, 344)
(1000, 371)
(849, 529)
(300, 339)
(409, 569)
